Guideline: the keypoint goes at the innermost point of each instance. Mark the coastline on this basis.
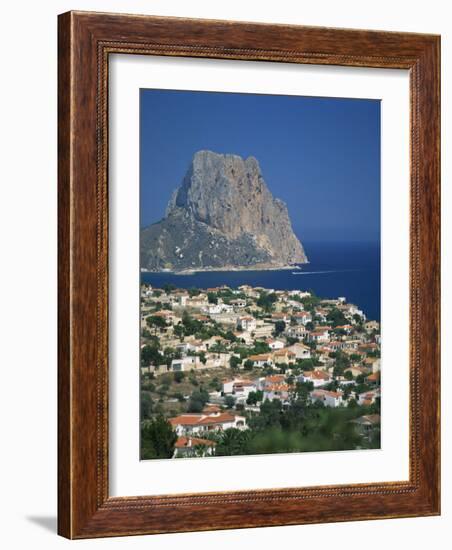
(227, 268)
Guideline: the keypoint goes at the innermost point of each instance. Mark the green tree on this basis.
(270, 415)
(178, 376)
(306, 364)
(146, 404)
(234, 362)
(310, 302)
(347, 390)
(191, 326)
(169, 287)
(342, 362)
(229, 401)
(212, 297)
(157, 439)
(280, 326)
(260, 347)
(335, 317)
(266, 301)
(232, 442)
(302, 390)
(150, 355)
(197, 401)
(358, 320)
(179, 331)
(255, 397)
(248, 365)
(155, 321)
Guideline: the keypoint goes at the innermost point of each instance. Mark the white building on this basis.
(263, 330)
(298, 331)
(276, 391)
(328, 398)
(185, 363)
(317, 377)
(319, 335)
(368, 398)
(193, 447)
(301, 351)
(247, 323)
(303, 317)
(239, 387)
(194, 424)
(262, 359)
(275, 344)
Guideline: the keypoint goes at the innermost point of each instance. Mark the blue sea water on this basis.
(349, 269)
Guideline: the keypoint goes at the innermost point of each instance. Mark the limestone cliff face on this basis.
(222, 216)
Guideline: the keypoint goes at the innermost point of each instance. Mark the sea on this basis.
(350, 269)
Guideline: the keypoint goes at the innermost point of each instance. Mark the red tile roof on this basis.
(186, 419)
(183, 442)
(217, 419)
(275, 378)
(316, 374)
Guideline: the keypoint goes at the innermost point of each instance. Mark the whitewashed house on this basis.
(320, 335)
(262, 360)
(195, 424)
(328, 398)
(185, 363)
(302, 318)
(193, 447)
(275, 344)
(301, 351)
(317, 377)
(247, 323)
(297, 331)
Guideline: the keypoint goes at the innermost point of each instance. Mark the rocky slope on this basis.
(223, 216)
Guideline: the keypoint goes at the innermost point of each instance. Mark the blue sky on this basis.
(320, 155)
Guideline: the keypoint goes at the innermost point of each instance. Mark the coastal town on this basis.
(251, 370)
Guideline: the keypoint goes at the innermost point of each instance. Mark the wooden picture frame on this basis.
(85, 508)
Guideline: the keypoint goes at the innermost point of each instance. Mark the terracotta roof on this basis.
(275, 378)
(217, 419)
(183, 442)
(299, 345)
(261, 357)
(334, 394)
(186, 419)
(316, 374)
(284, 351)
(163, 313)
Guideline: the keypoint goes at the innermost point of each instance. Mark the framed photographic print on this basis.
(248, 275)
